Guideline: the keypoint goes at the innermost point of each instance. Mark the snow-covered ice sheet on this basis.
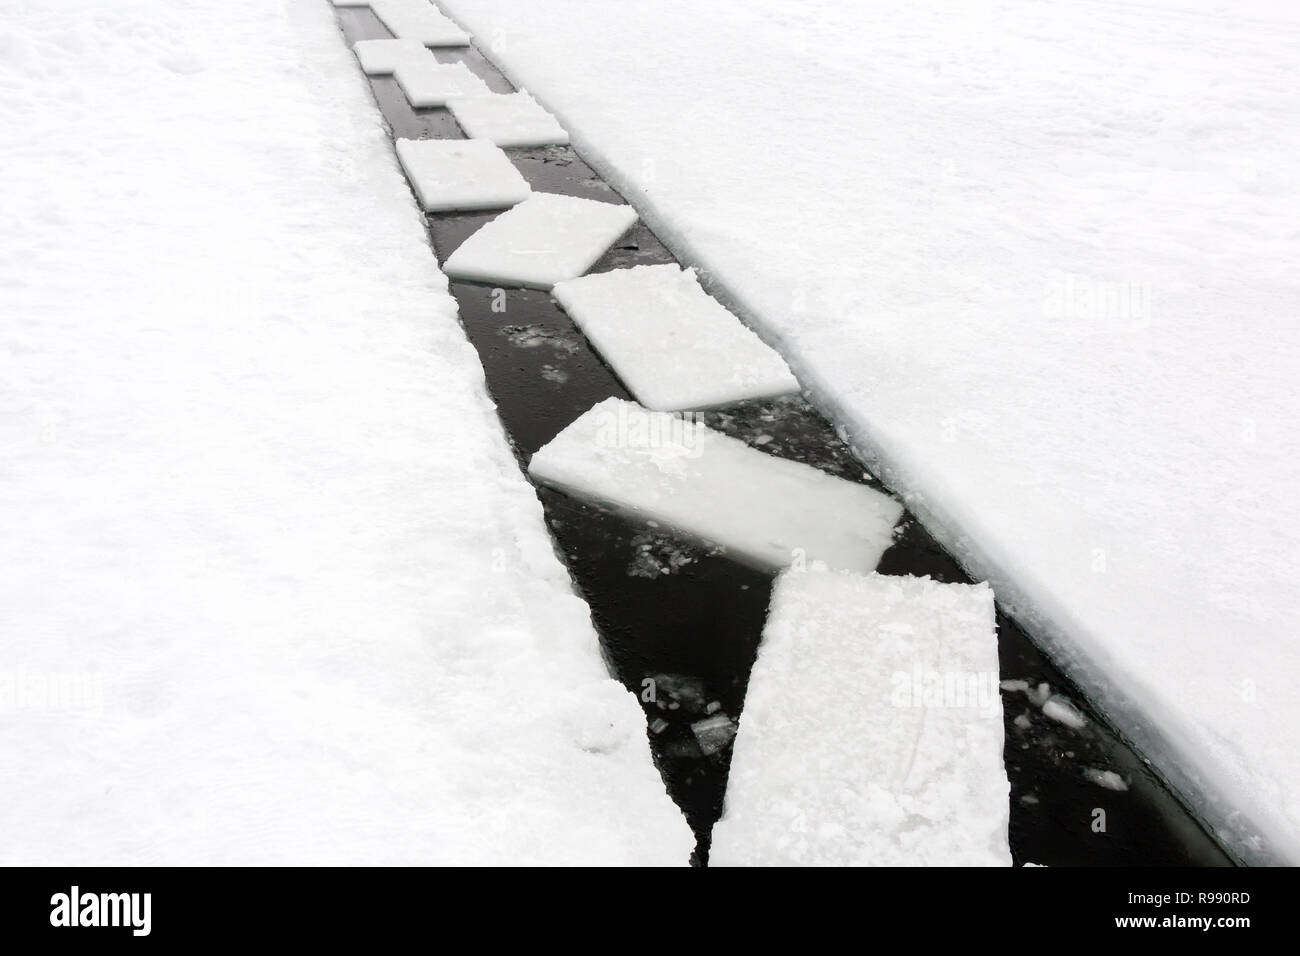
(872, 733)
(429, 84)
(544, 240)
(461, 174)
(380, 57)
(1039, 259)
(418, 20)
(671, 344)
(507, 119)
(271, 581)
(764, 510)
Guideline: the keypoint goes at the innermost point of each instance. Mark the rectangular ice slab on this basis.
(765, 511)
(671, 344)
(508, 119)
(460, 174)
(544, 240)
(380, 57)
(430, 83)
(418, 20)
(872, 733)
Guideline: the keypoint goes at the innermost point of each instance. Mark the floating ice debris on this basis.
(1011, 686)
(380, 57)
(672, 344)
(1064, 712)
(679, 689)
(544, 240)
(507, 119)
(658, 725)
(1022, 721)
(430, 84)
(832, 765)
(418, 20)
(714, 733)
(534, 336)
(460, 174)
(713, 707)
(767, 511)
(1105, 778)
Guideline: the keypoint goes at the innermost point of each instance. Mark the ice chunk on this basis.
(713, 733)
(544, 240)
(872, 731)
(430, 83)
(1105, 778)
(508, 119)
(379, 57)
(1064, 712)
(418, 20)
(460, 174)
(764, 510)
(671, 344)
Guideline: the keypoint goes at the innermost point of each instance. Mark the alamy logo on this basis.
(102, 909)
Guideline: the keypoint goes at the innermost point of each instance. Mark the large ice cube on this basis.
(460, 174)
(418, 20)
(544, 240)
(508, 119)
(673, 345)
(380, 57)
(765, 511)
(872, 731)
(430, 83)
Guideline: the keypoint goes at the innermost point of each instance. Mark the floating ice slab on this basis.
(380, 57)
(430, 83)
(765, 511)
(508, 119)
(544, 240)
(461, 174)
(872, 731)
(671, 344)
(418, 20)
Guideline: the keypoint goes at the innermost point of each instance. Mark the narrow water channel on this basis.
(690, 619)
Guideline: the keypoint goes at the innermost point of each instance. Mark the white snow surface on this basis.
(272, 587)
(507, 119)
(767, 511)
(671, 344)
(428, 83)
(1039, 259)
(545, 239)
(872, 733)
(461, 174)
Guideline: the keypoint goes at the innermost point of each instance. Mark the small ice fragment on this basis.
(1105, 778)
(507, 119)
(544, 240)
(713, 708)
(1064, 712)
(1040, 694)
(1022, 721)
(1011, 686)
(658, 725)
(714, 733)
